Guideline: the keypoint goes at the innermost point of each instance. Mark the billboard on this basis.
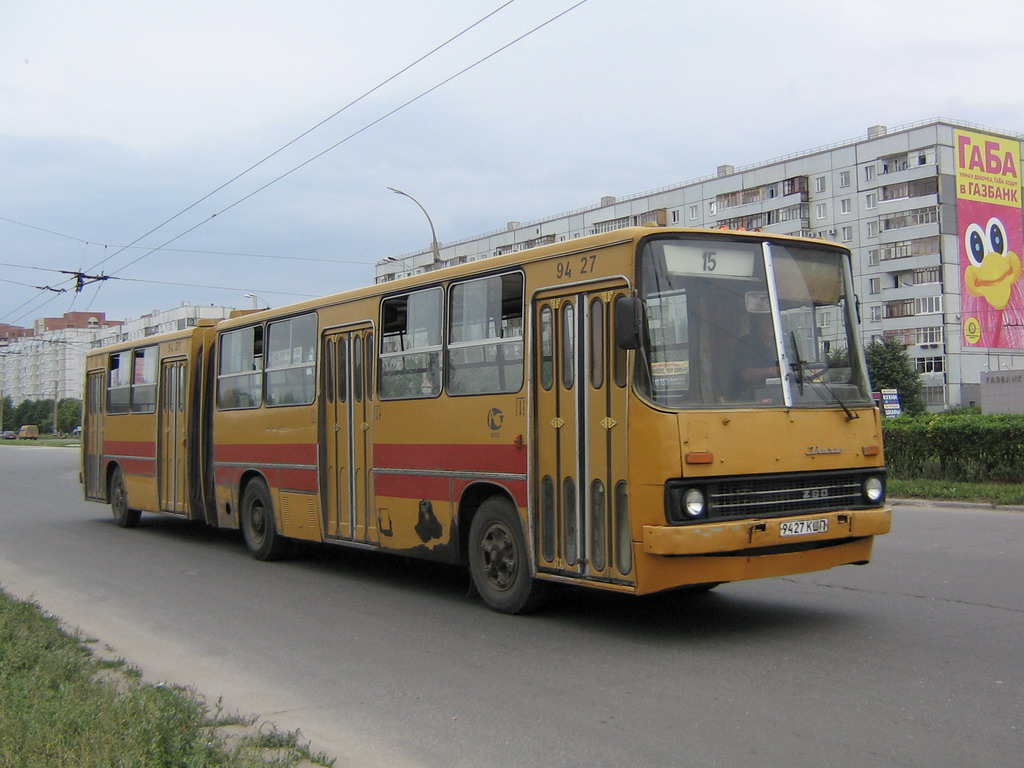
(989, 223)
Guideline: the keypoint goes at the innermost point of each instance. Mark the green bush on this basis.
(961, 446)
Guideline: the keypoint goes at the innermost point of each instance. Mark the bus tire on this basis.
(498, 559)
(258, 527)
(124, 516)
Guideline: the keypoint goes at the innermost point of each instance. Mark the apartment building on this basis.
(931, 211)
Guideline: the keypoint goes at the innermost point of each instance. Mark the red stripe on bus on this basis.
(447, 457)
(143, 449)
(282, 478)
(286, 453)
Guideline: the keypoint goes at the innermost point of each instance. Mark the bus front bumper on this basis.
(725, 536)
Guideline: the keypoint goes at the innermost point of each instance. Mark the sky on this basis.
(123, 122)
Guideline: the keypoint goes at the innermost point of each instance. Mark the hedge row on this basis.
(967, 447)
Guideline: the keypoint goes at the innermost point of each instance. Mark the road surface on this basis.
(913, 660)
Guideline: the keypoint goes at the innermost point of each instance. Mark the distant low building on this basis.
(1002, 392)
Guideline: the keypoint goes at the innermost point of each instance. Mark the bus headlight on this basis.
(694, 505)
(685, 502)
(873, 489)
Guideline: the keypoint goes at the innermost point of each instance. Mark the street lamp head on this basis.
(256, 298)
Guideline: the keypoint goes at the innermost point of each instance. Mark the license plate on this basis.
(803, 527)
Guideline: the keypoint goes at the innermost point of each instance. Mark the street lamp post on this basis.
(256, 298)
(434, 247)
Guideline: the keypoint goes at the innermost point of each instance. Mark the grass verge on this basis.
(946, 490)
(61, 705)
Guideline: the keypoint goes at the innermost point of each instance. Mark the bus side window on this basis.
(291, 361)
(119, 382)
(485, 336)
(143, 399)
(240, 376)
(410, 353)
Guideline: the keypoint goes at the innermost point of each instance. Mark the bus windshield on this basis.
(739, 323)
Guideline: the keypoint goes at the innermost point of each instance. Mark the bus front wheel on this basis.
(498, 560)
(258, 528)
(124, 517)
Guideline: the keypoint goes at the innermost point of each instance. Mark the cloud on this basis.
(115, 116)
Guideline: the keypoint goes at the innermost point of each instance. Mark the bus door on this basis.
(347, 402)
(580, 519)
(173, 429)
(92, 434)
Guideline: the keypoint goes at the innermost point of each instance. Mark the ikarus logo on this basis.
(495, 419)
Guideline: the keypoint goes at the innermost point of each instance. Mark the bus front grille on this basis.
(755, 496)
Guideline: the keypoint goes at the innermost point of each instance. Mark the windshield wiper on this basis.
(798, 370)
(798, 366)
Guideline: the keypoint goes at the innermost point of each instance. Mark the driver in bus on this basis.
(755, 357)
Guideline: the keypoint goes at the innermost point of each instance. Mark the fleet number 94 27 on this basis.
(575, 267)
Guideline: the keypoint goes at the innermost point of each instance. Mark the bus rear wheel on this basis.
(498, 559)
(258, 527)
(124, 517)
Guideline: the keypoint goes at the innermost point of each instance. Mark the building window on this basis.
(872, 229)
(694, 212)
(873, 257)
(712, 207)
(919, 188)
(876, 313)
(821, 210)
(871, 200)
(929, 364)
(875, 285)
(928, 305)
(819, 184)
(846, 234)
(934, 395)
(845, 206)
(900, 308)
(927, 275)
(844, 178)
(869, 173)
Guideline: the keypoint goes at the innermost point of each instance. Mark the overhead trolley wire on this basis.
(351, 136)
(297, 138)
(334, 146)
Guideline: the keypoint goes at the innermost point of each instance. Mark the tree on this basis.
(889, 367)
(69, 415)
(6, 412)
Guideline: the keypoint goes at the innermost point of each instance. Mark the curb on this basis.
(910, 502)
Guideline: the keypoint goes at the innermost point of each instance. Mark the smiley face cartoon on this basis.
(993, 267)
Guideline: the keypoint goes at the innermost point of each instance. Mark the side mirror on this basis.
(628, 322)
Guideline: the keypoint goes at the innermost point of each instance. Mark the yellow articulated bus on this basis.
(642, 410)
